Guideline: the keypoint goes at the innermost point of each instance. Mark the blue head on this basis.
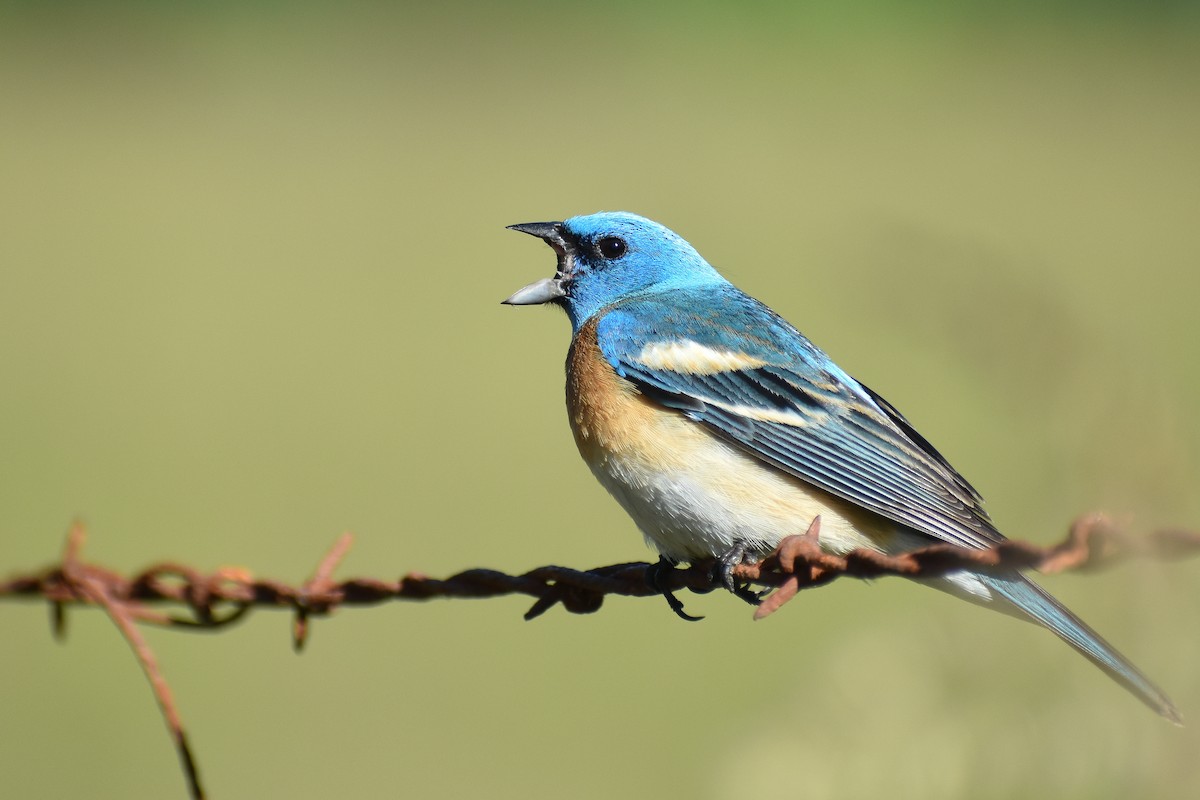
(607, 257)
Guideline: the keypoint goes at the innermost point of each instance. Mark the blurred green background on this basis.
(251, 262)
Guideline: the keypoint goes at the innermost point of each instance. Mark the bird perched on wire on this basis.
(720, 428)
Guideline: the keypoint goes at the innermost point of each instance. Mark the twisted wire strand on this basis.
(216, 599)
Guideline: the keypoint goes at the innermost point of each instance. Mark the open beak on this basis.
(546, 290)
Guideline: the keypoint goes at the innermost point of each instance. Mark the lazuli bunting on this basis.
(720, 428)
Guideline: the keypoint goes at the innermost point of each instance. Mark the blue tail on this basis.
(1039, 606)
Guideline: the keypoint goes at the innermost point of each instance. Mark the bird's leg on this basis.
(723, 570)
(654, 577)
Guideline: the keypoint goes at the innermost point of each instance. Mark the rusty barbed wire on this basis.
(227, 595)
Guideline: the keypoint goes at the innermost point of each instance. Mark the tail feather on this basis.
(1037, 604)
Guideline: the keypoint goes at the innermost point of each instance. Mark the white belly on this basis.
(706, 496)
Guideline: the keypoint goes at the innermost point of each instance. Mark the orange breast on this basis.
(608, 414)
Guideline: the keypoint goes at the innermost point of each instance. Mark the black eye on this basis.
(611, 247)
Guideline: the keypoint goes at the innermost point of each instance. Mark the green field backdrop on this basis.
(251, 259)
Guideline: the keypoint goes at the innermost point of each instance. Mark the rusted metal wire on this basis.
(220, 598)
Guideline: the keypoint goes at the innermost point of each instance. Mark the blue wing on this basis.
(730, 363)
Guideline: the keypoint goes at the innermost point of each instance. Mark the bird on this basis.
(720, 428)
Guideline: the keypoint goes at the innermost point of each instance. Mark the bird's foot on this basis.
(740, 553)
(655, 574)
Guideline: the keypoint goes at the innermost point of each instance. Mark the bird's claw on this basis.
(654, 577)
